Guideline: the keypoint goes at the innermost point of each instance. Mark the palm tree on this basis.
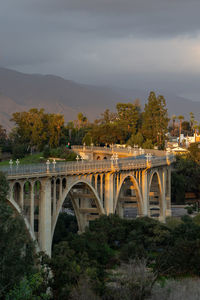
(195, 126)
(173, 123)
(180, 127)
(192, 120)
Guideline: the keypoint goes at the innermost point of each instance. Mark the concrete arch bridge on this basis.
(92, 188)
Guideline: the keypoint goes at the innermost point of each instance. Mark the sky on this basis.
(143, 44)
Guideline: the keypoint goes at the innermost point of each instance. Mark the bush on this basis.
(188, 288)
(133, 281)
(46, 152)
(19, 151)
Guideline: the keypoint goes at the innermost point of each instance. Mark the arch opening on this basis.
(16, 193)
(78, 209)
(154, 197)
(27, 202)
(128, 202)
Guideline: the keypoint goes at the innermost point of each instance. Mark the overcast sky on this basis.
(151, 44)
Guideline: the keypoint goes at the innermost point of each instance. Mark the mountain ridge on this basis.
(20, 91)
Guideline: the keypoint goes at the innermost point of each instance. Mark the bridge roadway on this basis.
(91, 188)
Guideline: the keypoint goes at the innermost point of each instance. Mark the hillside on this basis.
(19, 91)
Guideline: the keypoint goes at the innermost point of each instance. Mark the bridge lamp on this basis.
(10, 163)
(17, 162)
(54, 164)
(82, 159)
(116, 157)
(47, 163)
(77, 158)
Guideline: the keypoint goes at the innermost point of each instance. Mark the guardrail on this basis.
(82, 167)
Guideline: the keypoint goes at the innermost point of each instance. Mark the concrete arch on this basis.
(160, 202)
(65, 194)
(17, 208)
(159, 181)
(133, 179)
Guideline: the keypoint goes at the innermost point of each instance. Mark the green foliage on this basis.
(136, 139)
(16, 249)
(194, 150)
(128, 116)
(30, 288)
(46, 151)
(155, 120)
(66, 224)
(65, 269)
(87, 139)
(171, 249)
(148, 144)
(185, 178)
(19, 151)
(4, 187)
(37, 128)
(63, 152)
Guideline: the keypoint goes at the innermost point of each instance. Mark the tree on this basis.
(36, 128)
(191, 120)
(82, 120)
(136, 140)
(155, 120)
(128, 117)
(173, 123)
(181, 118)
(195, 126)
(16, 249)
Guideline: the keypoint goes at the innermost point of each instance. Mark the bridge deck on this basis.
(84, 167)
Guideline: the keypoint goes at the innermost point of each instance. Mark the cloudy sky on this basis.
(151, 44)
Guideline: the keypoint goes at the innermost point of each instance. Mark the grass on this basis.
(29, 159)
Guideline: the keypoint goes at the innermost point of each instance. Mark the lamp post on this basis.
(54, 164)
(10, 163)
(17, 162)
(47, 164)
(77, 158)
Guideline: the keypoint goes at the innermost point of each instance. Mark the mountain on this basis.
(19, 92)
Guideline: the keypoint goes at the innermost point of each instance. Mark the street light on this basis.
(54, 164)
(77, 158)
(17, 162)
(47, 163)
(10, 163)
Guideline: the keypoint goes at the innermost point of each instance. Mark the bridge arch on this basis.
(17, 209)
(155, 192)
(79, 211)
(136, 201)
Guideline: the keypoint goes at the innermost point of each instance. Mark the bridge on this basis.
(110, 181)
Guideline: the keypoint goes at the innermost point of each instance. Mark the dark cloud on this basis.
(128, 43)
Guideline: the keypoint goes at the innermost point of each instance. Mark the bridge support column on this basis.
(32, 207)
(109, 193)
(163, 200)
(45, 217)
(101, 188)
(145, 208)
(54, 198)
(168, 193)
(21, 195)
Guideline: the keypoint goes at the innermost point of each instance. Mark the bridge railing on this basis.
(85, 166)
(127, 150)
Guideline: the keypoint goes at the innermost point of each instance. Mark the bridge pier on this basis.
(45, 217)
(108, 202)
(145, 204)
